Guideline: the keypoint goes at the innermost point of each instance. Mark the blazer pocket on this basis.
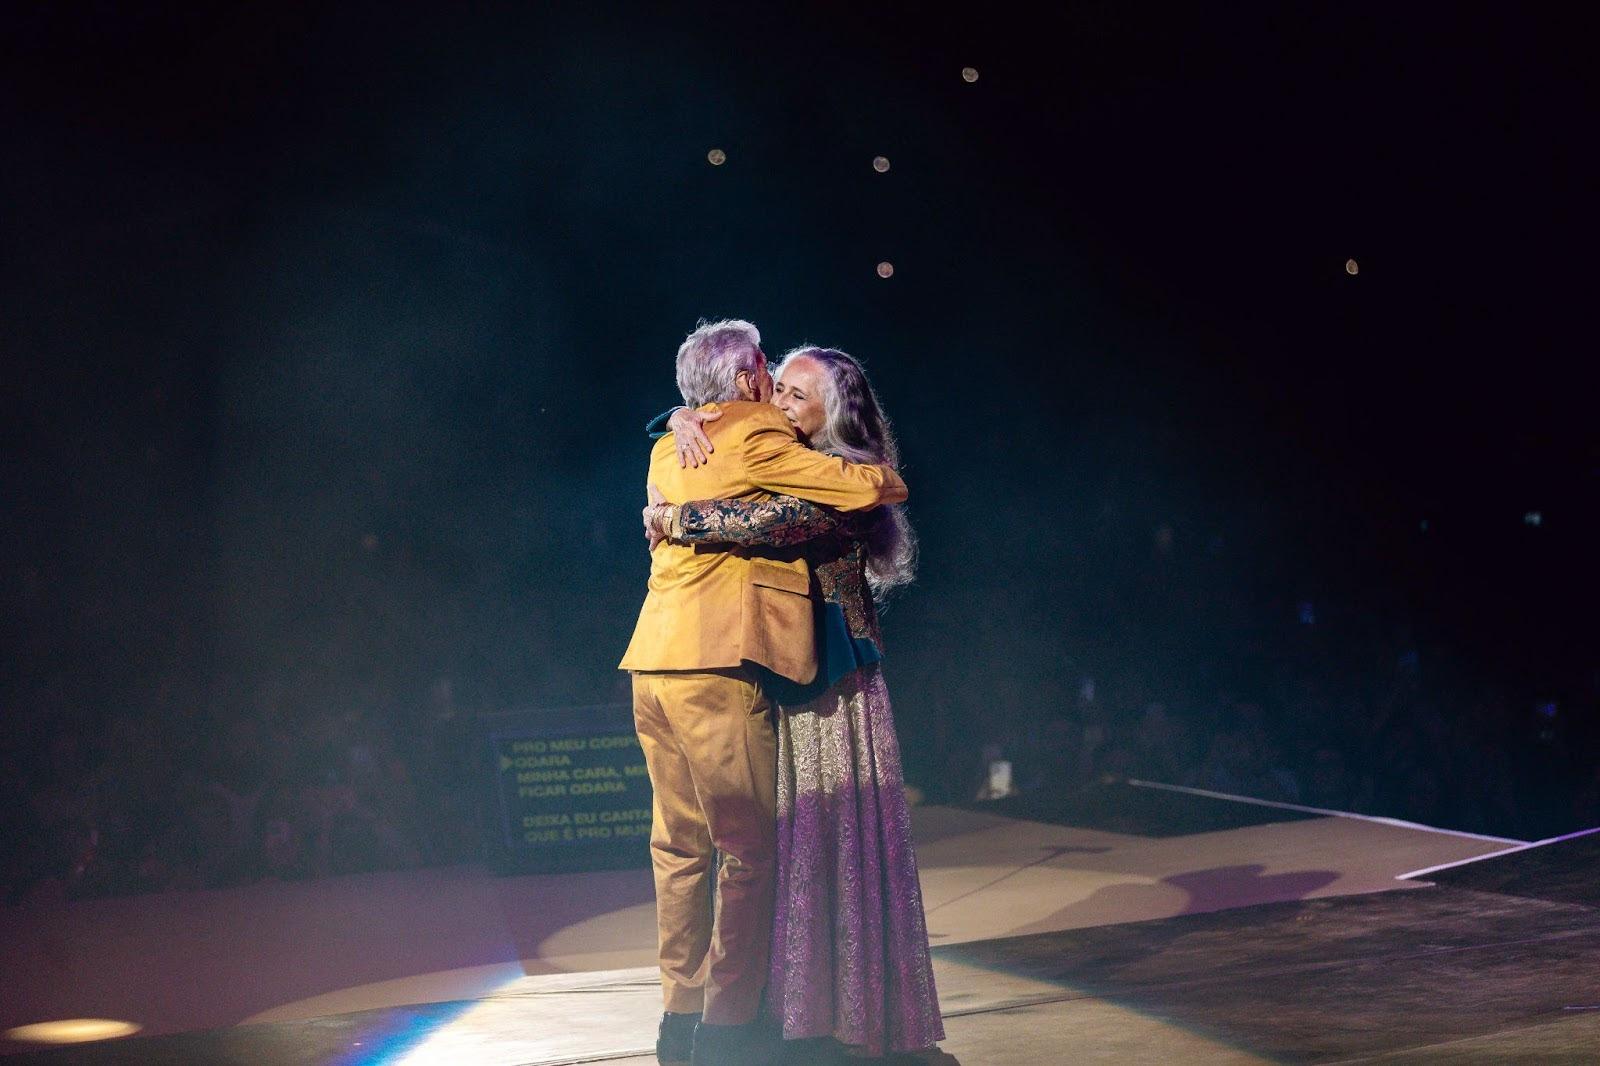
(779, 628)
(773, 576)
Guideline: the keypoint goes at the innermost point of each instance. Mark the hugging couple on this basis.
(789, 910)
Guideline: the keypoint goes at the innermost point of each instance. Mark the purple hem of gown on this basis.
(850, 955)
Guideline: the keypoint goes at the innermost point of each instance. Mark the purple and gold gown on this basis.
(850, 953)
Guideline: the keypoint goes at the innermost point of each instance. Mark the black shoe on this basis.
(675, 1039)
(734, 1045)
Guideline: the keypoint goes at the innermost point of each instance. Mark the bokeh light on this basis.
(885, 269)
(881, 164)
(72, 1031)
(716, 157)
(969, 74)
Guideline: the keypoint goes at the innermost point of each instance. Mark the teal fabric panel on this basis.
(656, 428)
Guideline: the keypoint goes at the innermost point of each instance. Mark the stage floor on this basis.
(1125, 925)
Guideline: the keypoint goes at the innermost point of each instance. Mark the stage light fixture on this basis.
(716, 157)
(885, 269)
(1352, 267)
(969, 74)
(881, 164)
(71, 1031)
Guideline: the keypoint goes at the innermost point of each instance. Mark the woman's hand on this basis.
(657, 516)
(694, 447)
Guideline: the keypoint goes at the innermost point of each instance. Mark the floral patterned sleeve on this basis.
(780, 521)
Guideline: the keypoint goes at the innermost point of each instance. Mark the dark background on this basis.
(330, 333)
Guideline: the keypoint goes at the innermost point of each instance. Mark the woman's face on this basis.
(798, 394)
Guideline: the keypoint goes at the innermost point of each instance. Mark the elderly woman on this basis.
(849, 943)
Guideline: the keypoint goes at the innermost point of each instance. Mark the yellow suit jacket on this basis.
(717, 607)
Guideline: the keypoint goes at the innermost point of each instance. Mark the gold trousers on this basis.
(711, 750)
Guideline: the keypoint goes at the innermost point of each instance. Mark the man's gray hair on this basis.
(710, 358)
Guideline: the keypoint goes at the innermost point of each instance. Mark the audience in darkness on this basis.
(1183, 677)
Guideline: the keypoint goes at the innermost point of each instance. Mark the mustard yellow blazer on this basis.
(716, 607)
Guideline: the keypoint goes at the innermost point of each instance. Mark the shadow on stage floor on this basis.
(1436, 975)
(1286, 939)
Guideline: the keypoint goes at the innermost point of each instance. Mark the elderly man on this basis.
(710, 618)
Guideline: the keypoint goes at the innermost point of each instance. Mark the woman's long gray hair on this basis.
(854, 427)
